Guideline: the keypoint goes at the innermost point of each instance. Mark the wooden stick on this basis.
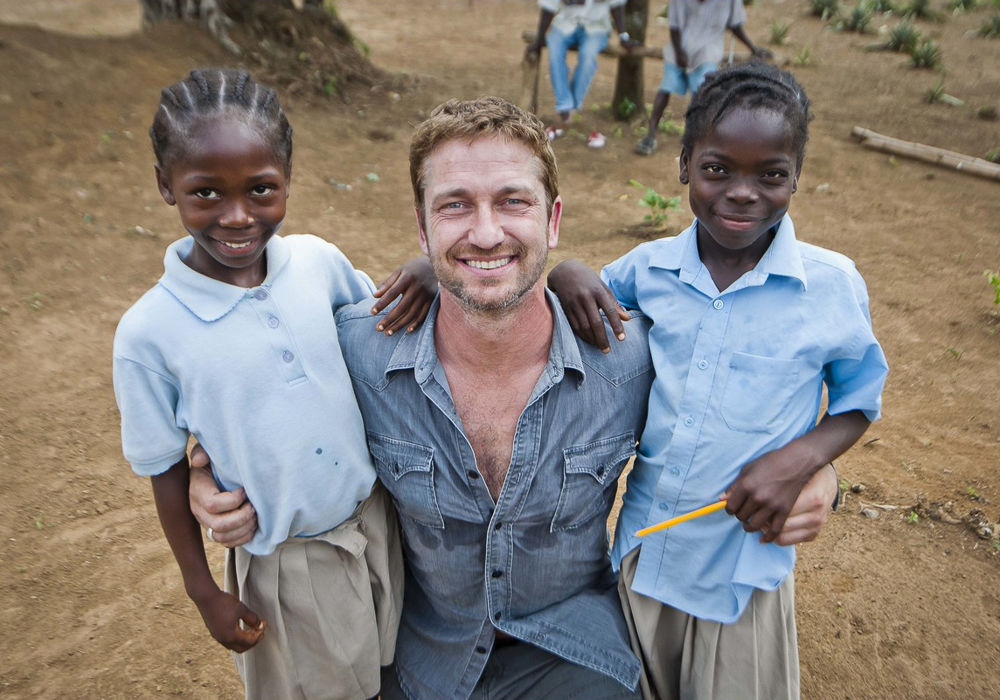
(529, 83)
(928, 154)
(718, 505)
(612, 49)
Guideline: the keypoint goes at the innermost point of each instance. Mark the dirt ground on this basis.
(903, 605)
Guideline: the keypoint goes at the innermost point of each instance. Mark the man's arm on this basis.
(221, 612)
(229, 514)
(763, 494)
(811, 508)
(618, 16)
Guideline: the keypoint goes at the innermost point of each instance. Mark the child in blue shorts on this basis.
(697, 31)
(236, 346)
(749, 326)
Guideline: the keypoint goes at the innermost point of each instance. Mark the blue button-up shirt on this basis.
(738, 373)
(535, 563)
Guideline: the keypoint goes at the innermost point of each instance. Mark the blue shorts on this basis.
(678, 81)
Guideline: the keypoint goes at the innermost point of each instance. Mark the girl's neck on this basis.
(727, 265)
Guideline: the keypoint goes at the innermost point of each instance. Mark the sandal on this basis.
(646, 146)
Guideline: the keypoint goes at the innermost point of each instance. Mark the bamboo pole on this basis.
(928, 154)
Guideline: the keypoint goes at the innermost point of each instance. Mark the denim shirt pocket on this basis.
(590, 475)
(758, 391)
(407, 471)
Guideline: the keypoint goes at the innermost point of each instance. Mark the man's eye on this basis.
(263, 190)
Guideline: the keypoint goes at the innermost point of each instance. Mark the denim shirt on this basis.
(534, 564)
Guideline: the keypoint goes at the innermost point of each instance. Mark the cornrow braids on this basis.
(748, 86)
(212, 93)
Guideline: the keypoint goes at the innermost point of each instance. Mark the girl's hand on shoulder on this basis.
(583, 297)
(415, 285)
(223, 613)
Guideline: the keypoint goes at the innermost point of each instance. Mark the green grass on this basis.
(926, 55)
(779, 33)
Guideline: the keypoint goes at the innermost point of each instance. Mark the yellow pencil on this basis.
(681, 518)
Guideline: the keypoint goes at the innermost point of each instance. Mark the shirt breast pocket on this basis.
(758, 391)
(590, 476)
(407, 471)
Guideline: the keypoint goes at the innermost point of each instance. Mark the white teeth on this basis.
(488, 264)
(236, 246)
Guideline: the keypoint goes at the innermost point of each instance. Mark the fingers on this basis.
(232, 518)
(405, 314)
(249, 632)
(199, 458)
(595, 322)
(382, 288)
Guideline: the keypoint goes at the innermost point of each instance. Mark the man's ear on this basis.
(163, 184)
(420, 230)
(554, 218)
(683, 166)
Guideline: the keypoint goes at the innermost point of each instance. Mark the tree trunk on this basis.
(629, 101)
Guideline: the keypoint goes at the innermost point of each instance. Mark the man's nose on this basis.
(486, 232)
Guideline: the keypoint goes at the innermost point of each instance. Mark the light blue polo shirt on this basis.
(257, 376)
(738, 374)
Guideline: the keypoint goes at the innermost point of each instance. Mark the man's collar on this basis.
(416, 350)
(207, 298)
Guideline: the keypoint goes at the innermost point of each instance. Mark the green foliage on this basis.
(779, 33)
(912, 517)
(858, 20)
(670, 127)
(882, 6)
(972, 493)
(937, 94)
(921, 9)
(657, 203)
(926, 55)
(804, 57)
(957, 6)
(990, 29)
(329, 85)
(903, 37)
(824, 9)
(626, 108)
(993, 277)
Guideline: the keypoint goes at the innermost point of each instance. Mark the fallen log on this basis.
(928, 154)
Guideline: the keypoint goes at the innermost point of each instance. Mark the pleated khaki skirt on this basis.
(687, 658)
(332, 604)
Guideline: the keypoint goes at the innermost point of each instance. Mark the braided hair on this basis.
(211, 93)
(753, 85)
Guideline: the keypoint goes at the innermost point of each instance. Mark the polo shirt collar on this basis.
(782, 258)
(416, 351)
(207, 298)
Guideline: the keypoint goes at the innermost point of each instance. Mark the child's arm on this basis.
(755, 51)
(221, 612)
(583, 296)
(414, 282)
(763, 494)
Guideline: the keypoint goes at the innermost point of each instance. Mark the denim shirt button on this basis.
(496, 615)
(497, 573)
(498, 525)
(480, 650)
(473, 474)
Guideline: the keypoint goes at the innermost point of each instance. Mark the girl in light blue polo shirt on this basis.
(236, 346)
(749, 326)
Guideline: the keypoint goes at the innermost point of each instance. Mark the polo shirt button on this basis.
(675, 470)
(689, 421)
(703, 364)
(664, 506)
(273, 321)
(260, 295)
(287, 356)
(718, 303)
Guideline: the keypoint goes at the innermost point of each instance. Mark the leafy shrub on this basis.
(779, 33)
(926, 55)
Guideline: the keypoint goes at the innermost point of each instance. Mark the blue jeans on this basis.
(569, 95)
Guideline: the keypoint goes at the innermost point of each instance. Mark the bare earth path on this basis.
(903, 606)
